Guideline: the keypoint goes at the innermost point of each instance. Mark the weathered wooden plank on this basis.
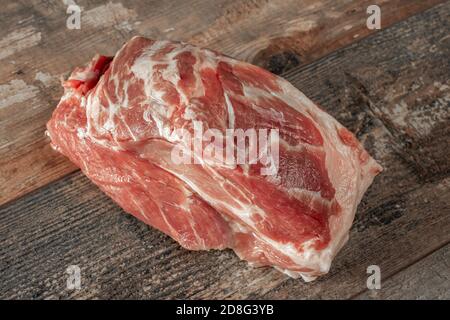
(37, 48)
(402, 218)
(427, 279)
(73, 223)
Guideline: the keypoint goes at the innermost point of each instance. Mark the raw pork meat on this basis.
(115, 121)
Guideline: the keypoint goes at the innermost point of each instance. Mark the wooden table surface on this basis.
(390, 87)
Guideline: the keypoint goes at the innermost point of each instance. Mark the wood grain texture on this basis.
(37, 49)
(427, 279)
(403, 218)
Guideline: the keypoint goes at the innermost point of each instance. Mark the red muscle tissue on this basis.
(115, 121)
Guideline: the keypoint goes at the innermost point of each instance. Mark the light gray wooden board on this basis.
(36, 49)
(403, 218)
(427, 279)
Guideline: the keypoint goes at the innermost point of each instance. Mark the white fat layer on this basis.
(230, 111)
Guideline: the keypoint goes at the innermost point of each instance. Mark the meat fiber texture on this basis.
(115, 121)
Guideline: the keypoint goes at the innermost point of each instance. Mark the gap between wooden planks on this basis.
(37, 49)
(391, 89)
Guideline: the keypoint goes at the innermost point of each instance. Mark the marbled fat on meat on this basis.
(115, 121)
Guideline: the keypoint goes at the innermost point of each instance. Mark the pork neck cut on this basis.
(116, 121)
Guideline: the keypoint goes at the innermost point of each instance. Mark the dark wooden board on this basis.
(37, 49)
(427, 279)
(391, 89)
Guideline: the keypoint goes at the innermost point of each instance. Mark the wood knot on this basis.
(278, 63)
